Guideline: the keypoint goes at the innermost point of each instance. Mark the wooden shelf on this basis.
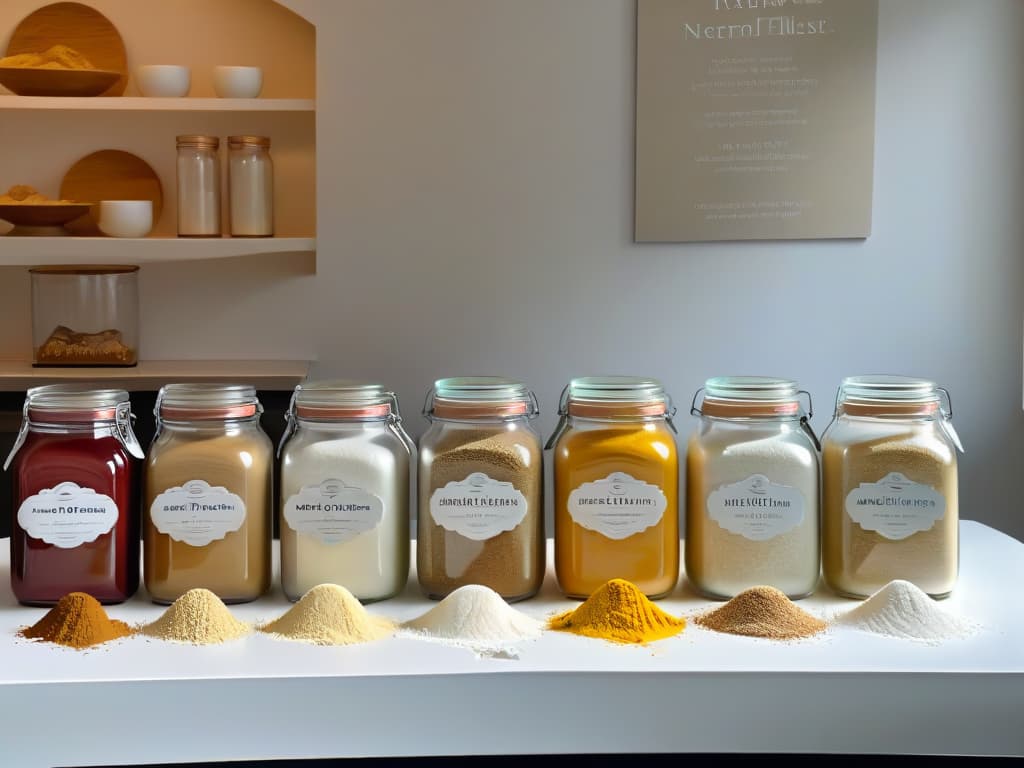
(141, 103)
(150, 375)
(39, 251)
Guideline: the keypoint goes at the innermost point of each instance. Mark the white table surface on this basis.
(139, 701)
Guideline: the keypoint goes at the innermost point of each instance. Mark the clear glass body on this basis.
(198, 179)
(85, 316)
(90, 456)
(497, 459)
(232, 456)
(250, 190)
(365, 550)
(861, 450)
(596, 450)
(752, 507)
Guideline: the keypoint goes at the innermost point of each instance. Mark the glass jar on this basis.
(74, 470)
(889, 487)
(752, 482)
(85, 315)
(250, 186)
(616, 473)
(344, 516)
(481, 484)
(198, 178)
(207, 494)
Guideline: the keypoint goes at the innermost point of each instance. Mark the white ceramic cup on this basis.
(163, 79)
(237, 82)
(126, 218)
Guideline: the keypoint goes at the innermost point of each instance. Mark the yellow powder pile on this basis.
(620, 612)
(54, 57)
(198, 617)
(762, 612)
(330, 615)
(23, 194)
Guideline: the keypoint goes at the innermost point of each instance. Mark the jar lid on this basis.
(252, 141)
(207, 401)
(341, 399)
(749, 397)
(198, 140)
(85, 269)
(73, 402)
(473, 397)
(602, 396)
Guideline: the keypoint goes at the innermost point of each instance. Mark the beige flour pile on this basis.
(198, 617)
(329, 614)
(762, 612)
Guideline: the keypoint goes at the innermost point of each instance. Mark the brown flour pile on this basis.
(198, 617)
(762, 612)
(329, 614)
(77, 621)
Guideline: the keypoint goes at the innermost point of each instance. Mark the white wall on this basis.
(475, 216)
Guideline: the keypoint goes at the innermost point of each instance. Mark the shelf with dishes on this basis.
(155, 104)
(36, 251)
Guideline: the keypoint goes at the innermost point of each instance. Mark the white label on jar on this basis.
(895, 507)
(67, 515)
(478, 507)
(197, 513)
(618, 506)
(756, 508)
(333, 512)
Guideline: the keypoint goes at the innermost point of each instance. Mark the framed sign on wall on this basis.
(755, 119)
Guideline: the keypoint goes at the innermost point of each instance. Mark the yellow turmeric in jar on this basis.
(616, 477)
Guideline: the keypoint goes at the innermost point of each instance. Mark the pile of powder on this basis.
(77, 621)
(762, 612)
(198, 617)
(902, 609)
(620, 612)
(475, 616)
(329, 614)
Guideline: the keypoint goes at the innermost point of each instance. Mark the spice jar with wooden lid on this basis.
(889, 487)
(207, 500)
(616, 477)
(198, 180)
(752, 488)
(74, 469)
(480, 518)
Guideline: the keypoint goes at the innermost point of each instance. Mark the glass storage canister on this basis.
(250, 187)
(481, 483)
(198, 179)
(889, 487)
(345, 464)
(752, 489)
(616, 477)
(74, 472)
(85, 315)
(208, 503)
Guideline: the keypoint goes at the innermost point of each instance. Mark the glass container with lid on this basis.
(889, 487)
(752, 489)
(616, 477)
(345, 486)
(207, 501)
(198, 180)
(480, 518)
(250, 186)
(74, 468)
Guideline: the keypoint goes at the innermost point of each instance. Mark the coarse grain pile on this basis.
(198, 617)
(77, 621)
(762, 612)
(620, 612)
(329, 614)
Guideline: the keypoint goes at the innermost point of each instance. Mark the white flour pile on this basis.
(901, 609)
(475, 617)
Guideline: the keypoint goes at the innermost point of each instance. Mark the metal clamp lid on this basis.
(482, 397)
(804, 416)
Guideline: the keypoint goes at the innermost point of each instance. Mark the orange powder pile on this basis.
(77, 621)
(620, 612)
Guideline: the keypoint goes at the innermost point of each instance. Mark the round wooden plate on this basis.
(77, 26)
(109, 174)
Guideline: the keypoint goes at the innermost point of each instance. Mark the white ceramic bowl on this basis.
(126, 218)
(237, 82)
(163, 79)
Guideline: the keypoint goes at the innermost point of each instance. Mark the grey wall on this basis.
(475, 217)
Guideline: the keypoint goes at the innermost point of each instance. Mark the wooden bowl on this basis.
(36, 81)
(52, 215)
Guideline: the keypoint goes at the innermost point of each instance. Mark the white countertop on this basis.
(144, 701)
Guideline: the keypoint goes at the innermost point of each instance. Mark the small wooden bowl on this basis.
(53, 215)
(37, 81)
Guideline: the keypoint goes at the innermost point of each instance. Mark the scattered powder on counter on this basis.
(762, 612)
(77, 621)
(329, 614)
(619, 611)
(902, 609)
(198, 617)
(476, 617)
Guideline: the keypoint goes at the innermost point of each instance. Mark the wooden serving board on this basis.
(80, 27)
(109, 174)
